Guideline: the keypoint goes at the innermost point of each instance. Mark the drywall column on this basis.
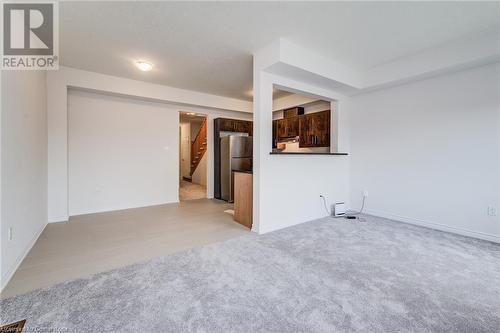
(262, 136)
(287, 187)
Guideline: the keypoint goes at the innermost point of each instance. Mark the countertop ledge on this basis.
(307, 153)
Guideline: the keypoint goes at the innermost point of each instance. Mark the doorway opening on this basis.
(192, 156)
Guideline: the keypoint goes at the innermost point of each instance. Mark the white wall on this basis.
(122, 153)
(194, 128)
(292, 100)
(429, 152)
(58, 83)
(200, 174)
(23, 165)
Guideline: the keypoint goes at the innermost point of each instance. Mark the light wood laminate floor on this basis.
(191, 191)
(93, 243)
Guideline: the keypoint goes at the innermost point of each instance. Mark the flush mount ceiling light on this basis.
(191, 114)
(144, 66)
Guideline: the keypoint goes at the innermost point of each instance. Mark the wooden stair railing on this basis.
(199, 146)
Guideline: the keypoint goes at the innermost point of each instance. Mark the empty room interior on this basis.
(250, 166)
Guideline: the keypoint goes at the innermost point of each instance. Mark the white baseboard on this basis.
(262, 231)
(434, 225)
(57, 219)
(10, 272)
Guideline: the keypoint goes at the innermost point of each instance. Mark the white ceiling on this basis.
(207, 46)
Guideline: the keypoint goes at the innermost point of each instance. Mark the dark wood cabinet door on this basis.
(280, 129)
(322, 129)
(305, 131)
(292, 124)
(240, 127)
(287, 128)
(275, 133)
(226, 124)
(314, 130)
(293, 112)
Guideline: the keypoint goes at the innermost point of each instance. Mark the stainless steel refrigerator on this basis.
(236, 154)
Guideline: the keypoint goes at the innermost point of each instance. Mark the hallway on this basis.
(191, 191)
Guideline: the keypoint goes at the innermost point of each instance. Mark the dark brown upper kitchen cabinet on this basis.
(296, 111)
(233, 125)
(287, 128)
(314, 129)
(243, 127)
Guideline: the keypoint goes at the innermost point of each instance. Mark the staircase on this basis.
(199, 146)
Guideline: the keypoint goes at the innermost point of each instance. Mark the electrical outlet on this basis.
(365, 193)
(10, 233)
(492, 211)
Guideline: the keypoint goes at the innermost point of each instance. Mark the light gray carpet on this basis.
(323, 276)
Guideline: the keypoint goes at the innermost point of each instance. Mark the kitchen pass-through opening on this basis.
(302, 124)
